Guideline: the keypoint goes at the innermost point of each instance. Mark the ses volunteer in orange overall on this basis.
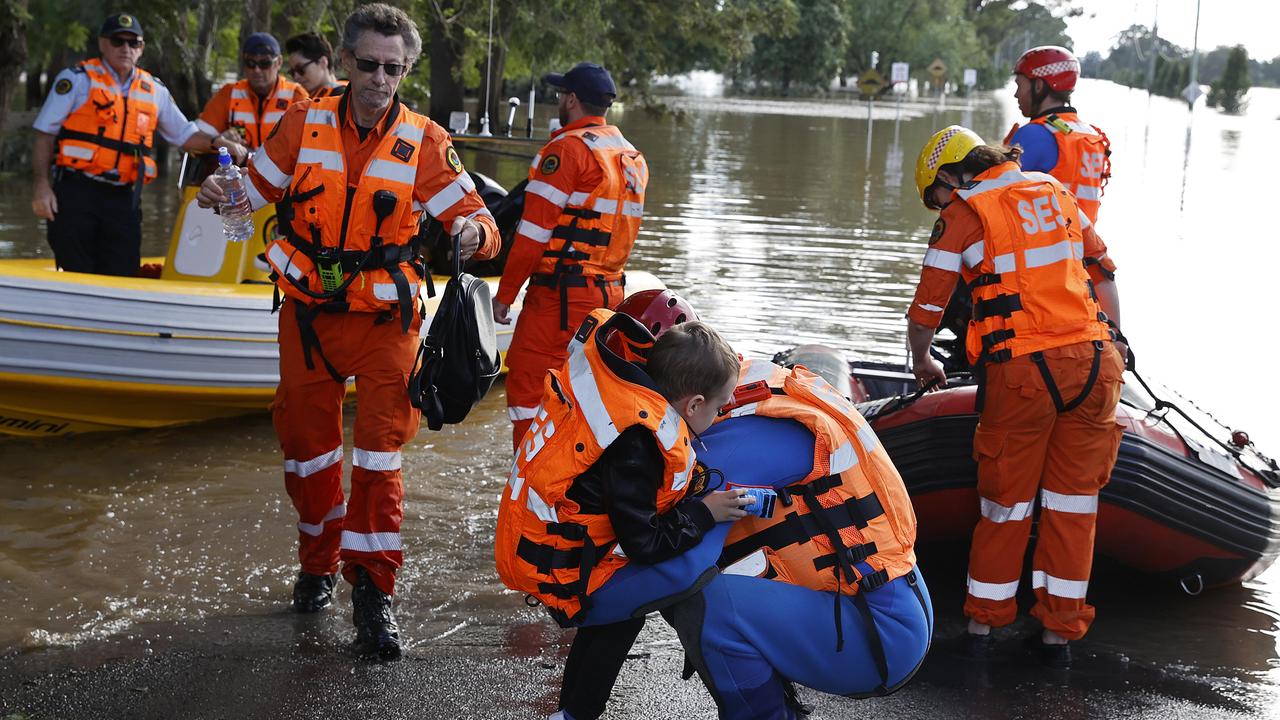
(254, 104)
(1045, 306)
(310, 63)
(97, 128)
(1056, 140)
(583, 206)
(352, 175)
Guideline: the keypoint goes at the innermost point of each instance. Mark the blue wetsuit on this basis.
(748, 636)
(1039, 148)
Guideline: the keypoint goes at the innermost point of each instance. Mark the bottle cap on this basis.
(224, 157)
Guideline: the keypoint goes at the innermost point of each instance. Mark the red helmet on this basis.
(657, 310)
(1056, 66)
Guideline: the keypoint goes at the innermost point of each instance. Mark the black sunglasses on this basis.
(371, 66)
(258, 64)
(296, 70)
(134, 43)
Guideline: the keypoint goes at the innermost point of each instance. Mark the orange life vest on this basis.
(327, 223)
(257, 117)
(111, 133)
(595, 231)
(329, 90)
(1031, 292)
(851, 509)
(545, 545)
(1084, 158)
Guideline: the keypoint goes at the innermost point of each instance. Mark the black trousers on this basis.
(595, 659)
(96, 229)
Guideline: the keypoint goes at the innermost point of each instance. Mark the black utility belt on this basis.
(71, 174)
(574, 280)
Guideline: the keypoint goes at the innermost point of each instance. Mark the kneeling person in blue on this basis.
(840, 542)
(601, 484)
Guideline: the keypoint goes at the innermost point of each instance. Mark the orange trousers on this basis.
(1027, 451)
(307, 413)
(540, 344)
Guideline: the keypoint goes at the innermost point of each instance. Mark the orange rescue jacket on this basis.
(851, 508)
(111, 133)
(1032, 291)
(1084, 158)
(545, 546)
(257, 117)
(595, 232)
(330, 232)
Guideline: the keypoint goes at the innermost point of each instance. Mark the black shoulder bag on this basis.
(458, 360)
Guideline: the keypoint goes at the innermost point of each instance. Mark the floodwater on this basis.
(783, 222)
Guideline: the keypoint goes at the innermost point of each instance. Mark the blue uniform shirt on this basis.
(171, 123)
(1039, 149)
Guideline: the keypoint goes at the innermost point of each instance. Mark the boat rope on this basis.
(135, 333)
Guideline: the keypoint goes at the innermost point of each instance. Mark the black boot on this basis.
(376, 629)
(312, 592)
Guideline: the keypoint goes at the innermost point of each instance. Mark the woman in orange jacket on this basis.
(1041, 337)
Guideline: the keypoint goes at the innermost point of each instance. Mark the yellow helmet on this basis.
(947, 146)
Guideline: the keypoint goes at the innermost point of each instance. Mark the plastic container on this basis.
(237, 215)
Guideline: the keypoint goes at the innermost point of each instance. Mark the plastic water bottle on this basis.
(237, 215)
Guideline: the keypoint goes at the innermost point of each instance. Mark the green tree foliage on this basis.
(806, 55)
(1229, 89)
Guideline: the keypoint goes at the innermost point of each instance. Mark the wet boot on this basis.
(376, 629)
(1056, 656)
(312, 592)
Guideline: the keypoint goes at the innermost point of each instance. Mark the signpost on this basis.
(970, 77)
(900, 72)
(871, 82)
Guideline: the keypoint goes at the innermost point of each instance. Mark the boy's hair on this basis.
(691, 359)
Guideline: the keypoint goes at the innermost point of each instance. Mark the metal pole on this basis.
(528, 124)
(1195, 54)
(1155, 48)
(488, 75)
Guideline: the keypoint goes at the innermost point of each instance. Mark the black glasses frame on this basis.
(371, 66)
(296, 70)
(134, 43)
(258, 64)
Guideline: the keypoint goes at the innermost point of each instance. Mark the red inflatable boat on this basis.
(1182, 504)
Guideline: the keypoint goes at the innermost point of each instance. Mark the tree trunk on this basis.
(13, 51)
(446, 56)
(256, 18)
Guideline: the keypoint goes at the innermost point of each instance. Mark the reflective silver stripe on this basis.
(418, 207)
(285, 93)
(868, 438)
(1059, 587)
(545, 512)
(536, 159)
(77, 151)
(617, 550)
(204, 127)
(1085, 222)
(1075, 125)
(408, 131)
(269, 171)
(522, 413)
(239, 94)
(533, 232)
(942, 260)
(752, 565)
(103, 86)
(317, 116)
(843, 458)
(1077, 250)
(605, 206)
(389, 293)
(1058, 502)
(995, 183)
(377, 460)
(481, 212)
(314, 530)
(305, 468)
(669, 428)
(993, 591)
(327, 159)
(579, 199)
(680, 479)
(272, 117)
(451, 194)
(1088, 192)
(757, 370)
(634, 209)
(1004, 263)
(1041, 256)
(549, 192)
(516, 481)
(972, 255)
(371, 542)
(143, 97)
(930, 308)
(244, 117)
(256, 200)
(396, 171)
(748, 409)
(583, 382)
(608, 141)
(997, 513)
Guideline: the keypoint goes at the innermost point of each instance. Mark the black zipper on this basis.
(124, 124)
(346, 216)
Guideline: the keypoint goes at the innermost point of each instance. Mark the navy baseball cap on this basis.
(590, 82)
(260, 44)
(120, 23)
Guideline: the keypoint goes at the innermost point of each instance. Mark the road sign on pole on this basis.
(899, 72)
(938, 69)
(970, 77)
(871, 82)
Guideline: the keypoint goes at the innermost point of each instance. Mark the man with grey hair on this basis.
(351, 176)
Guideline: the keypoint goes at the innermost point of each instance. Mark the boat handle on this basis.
(1184, 582)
